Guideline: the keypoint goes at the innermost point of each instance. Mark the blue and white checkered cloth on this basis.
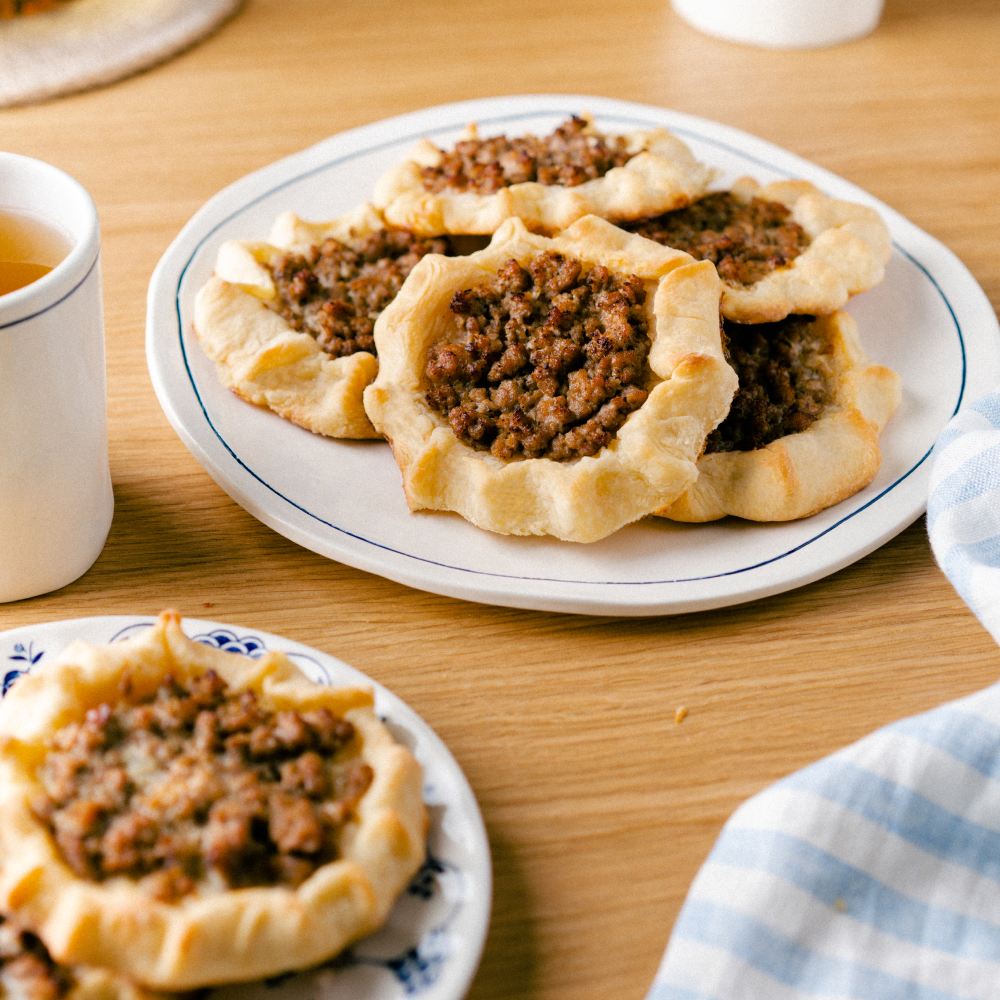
(963, 512)
(874, 873)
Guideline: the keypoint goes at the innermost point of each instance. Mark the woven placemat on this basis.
(87, 43)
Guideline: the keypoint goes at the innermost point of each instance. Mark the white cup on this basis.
(782, 24)
(56, 501)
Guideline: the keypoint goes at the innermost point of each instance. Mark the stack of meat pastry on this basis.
(173, 816)
(289, 324)
(572, 376)
(563, 380)
(802, 430)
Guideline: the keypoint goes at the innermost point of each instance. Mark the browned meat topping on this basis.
(27, 971)
(335, 294)
(783, 384)
(745, 242)
(197, 783)
(549, 361)
(569, 156)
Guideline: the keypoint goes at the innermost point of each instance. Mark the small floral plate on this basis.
(432, 942)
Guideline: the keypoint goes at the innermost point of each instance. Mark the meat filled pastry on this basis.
(803, 430)
(289, 323)
(547, 182)
(780, 249)
(551, 386)
(187, 817)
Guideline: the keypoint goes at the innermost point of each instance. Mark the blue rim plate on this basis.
(929, 320)
(432, 942)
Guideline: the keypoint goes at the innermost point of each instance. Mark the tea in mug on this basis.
(29, 248)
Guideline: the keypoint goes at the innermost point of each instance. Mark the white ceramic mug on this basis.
(56, 501)
(782, 24)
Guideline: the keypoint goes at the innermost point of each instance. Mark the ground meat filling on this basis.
(744, 241)
(335, 293)
(783, 383)
(569, 156)
(27, 971)
(200, 787)
(550, 360)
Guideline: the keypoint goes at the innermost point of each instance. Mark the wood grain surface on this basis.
(600, 807)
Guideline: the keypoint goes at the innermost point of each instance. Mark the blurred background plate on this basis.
(432, 942)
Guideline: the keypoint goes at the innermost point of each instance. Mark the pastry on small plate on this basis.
(187, 817)
(547, 182)
(780, 249)
(803, 430)
(289, 322)
(551, 386)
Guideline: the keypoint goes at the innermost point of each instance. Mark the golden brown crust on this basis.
(289, 230)
(256, 352)
(653, 454)
(801, 474)
(663, 175)
(210, 937)
(850, 246)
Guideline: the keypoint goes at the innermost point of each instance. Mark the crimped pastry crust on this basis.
(801, 474)
(213, 936)
(663, 175)
(256, 352)
(655, 451)
(849, 249)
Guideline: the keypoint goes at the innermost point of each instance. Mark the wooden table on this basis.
(600, 808)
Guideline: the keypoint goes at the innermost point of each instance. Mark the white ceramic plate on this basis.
(929, 321)
(431, 945)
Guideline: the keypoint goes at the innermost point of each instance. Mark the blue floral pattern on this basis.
(419, 967)
(22, 654)
(28, 655)
(247, 645)
(225, 639)
(424, 881)
(10, 677)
